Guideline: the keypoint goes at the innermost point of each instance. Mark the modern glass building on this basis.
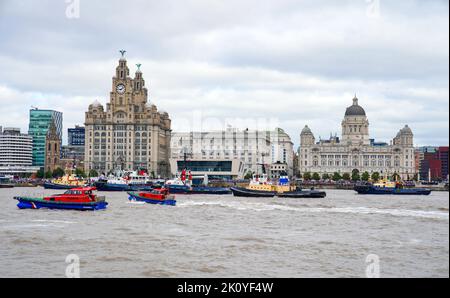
(40, 121)
(76, 136)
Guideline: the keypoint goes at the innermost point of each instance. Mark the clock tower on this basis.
(130, 134)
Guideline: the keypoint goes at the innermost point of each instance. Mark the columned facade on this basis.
(356, 151)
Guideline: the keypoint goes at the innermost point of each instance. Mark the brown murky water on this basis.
(223, 236)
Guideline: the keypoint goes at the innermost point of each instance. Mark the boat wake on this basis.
(440, 215)
(136, 203)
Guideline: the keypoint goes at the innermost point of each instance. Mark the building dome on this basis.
(96, 104)
(406, 130)
(355, 109)
(306, 130)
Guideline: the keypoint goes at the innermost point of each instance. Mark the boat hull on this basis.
(34, 203)
(210, 190)
(6, 186)
(136, 197)
(178, 189)
(313, 194)
(244, 192)
(121, 187)
(373, 190)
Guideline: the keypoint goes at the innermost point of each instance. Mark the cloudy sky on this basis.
(245, 63)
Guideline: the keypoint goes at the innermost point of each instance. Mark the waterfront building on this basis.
(52, 149)
(277, 169)
(218, 169)
(433, 163)
(130, 134)
(76, 136)
(252, 148)
(40, 121)
(356, 151)
(16, 152)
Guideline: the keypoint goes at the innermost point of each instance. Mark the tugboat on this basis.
(389, 188)
(74, 199)
(303, 194)
(183, 185)
(127, 181)
(260, 186)
(65, 182)
(157, 196)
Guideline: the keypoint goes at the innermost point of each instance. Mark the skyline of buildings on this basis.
(131, 134)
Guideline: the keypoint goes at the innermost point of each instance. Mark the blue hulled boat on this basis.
(82, 199)
(377, 190)
(210, 190)
(157, 196)
(389, 188)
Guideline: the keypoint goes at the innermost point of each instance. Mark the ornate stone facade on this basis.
(52, 149)
(130, 134)
(356, 150)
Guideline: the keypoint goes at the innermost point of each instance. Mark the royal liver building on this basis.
(356, 150)
(131, 134)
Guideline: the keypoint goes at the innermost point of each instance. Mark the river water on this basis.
(224, 236)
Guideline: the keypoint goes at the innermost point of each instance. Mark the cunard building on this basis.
(130, 134)
(356, 150)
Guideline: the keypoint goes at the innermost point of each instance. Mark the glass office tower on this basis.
(39, 124)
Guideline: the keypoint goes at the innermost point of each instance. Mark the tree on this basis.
(316, 176)
(365, 176)
(48, 174)
(307, 176)
(299, 175)
(375, 176)
(80, 173)
(325, 176)
(336, 176)
(346, 176)
(57, 173)
(93, 173)
(40, 174)
(355, 175)
(248, 175)
(396, 176)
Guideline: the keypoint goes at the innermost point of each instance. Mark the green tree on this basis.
(325, 176)
(346, 176)
(355, 175)
(80, 173)
(396, 176)
(40, 174)
(93, 173)
(57, 173)
(307, 176)
(336, 176)
(375, 176)
(316, 176)
(248, 175)
(365, 176)
(48, 174)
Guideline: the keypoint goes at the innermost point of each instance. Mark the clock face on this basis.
(120, 88)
